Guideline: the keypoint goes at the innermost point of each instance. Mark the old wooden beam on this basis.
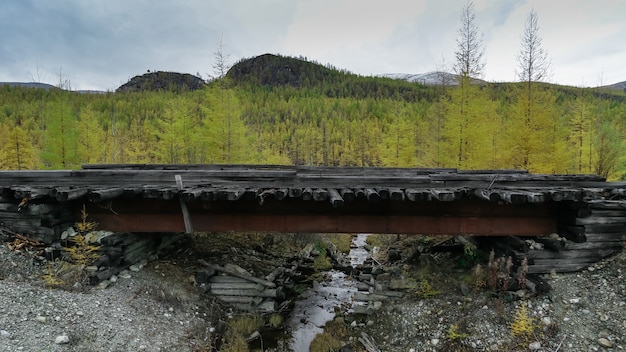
(311, 223)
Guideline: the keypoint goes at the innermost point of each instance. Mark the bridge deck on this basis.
(147, 198)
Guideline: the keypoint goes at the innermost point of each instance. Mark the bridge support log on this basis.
(465, 218)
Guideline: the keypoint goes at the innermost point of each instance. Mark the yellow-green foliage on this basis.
(322, 262)
(523, 326)
(454, 334)
(342, 241)
(244, 325)
(235, 344)
(479, 277)
(325, 342)
(51, 278)
(275, 320)
(239, 328)
(83, 253)
(421, 288)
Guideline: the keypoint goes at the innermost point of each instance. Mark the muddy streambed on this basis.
(317, 305)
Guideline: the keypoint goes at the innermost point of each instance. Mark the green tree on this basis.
(92, 146)
(60, 139)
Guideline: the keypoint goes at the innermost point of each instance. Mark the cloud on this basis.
(101, 44)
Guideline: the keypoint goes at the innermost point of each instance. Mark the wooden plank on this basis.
(183, 206)
(487, 194)
(597, 220)
(417, 195)
(372, 195)
(102, 194)
(330, 223)
(65, 194)
(320, 194)
(443, 195)
(335, 198)
(383, 193)
(606, 237)
(347, 194)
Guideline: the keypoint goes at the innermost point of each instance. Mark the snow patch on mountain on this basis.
(429, 78)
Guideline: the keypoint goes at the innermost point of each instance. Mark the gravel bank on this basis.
(159, 309)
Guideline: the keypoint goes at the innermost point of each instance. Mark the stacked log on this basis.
(237, 287)
(588, 233)
(374, 288)
(119, 251)
(33, 214)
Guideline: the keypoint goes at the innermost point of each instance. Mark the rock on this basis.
(135, 268)
(464, 289)
(574, 300)
(534, 346)
(398, 284)
(62, 340)
(40, 319)
(546, 321)
(434, 342)
(124, 275)
(103, 284)
(393, 255)
(4, 333)
(70, 232)
(605, 343)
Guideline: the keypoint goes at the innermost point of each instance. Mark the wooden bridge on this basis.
(584, 209)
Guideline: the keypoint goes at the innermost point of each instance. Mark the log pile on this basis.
(237, 287)
(374, 288)
(588, 233)
(119, 251)
(32, 213)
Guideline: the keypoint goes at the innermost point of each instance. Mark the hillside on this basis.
(281, 110)
(275, 70)
(159, 80)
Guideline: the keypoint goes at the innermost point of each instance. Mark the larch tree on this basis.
(536, 137)
(469, 65)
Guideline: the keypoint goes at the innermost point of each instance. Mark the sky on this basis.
(101, 44)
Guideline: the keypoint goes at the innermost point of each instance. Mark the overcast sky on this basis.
(101, 44)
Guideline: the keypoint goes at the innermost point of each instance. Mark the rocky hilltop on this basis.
(160, 80)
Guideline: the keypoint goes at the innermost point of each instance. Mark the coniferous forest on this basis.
(279, 110)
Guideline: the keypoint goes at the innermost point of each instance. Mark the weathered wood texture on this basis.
(581, 208)
(595, 231)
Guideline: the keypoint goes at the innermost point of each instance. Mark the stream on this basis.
(316, 306)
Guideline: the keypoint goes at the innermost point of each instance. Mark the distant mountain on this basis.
(160, 80)
(276, 70)
(46, 86)
(431, 78)
(617, 86)
(29, 85)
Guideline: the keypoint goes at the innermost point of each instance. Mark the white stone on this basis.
(4, 333)
(124, 275)
(40, 319)
(434, 342)
(70, 232)
(62, 339)
(546, 321)
(604, 342)
(574, 300)
(135, 268)
(534, 346)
